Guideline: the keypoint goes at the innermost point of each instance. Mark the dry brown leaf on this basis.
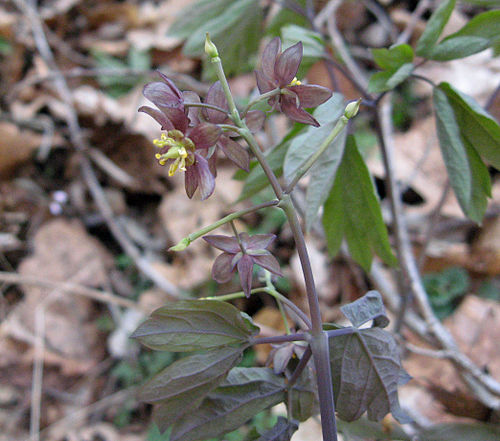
(63, 251)
(16, 146)
(475, 325)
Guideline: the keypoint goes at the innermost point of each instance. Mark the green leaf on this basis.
(192, 325)
(434, 27)
(478, 34)
(245, 393)
(365, 372)
(353, 210)
(183, 385)
(282, 431)
(468, 175)
(233, 29)
(322, 174)
(286, 16)
(369, 307)
(304, 397)
(462, 432)
(476, 124)
(389, 79)
(256, 180)
(394, 57)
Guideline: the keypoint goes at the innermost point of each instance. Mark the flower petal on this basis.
(160, 117)
(161, 95)
(229, 244)
(269, 55)
(204, 135)
(192, 112)
(289, 107)
(191, 181)
(245, 266)
(268, 262)
(177, 116)
(264, 83)
(235, 152)
(260, 241)
(287, 64)
(255, 120)
(170, 84)
(222, 270)
(215, 97)
(311, 95)
(206, 180)
(212, 163)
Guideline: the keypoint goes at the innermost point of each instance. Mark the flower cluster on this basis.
(242, 253)
(279, 70)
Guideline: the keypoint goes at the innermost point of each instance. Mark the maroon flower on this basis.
(242, 255)
(281, 355)
(185, 144)
(233, 150)
(278, 70)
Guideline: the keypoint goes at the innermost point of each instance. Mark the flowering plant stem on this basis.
(263, 97)
(317, 338)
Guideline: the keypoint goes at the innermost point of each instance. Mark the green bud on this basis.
(352, 109)
(210, 48)
(182, 245)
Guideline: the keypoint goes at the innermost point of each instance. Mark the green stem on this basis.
(260, 98)
(235, 116)
(270, 286)
(230, 217)
(207, 106)
(306, 165)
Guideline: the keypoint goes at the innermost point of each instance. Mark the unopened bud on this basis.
(182, 245)
(210, 48)
(352, 109)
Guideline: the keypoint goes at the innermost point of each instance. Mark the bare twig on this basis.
(70, 288)
(79, 143)
(383, 18)
(405, 36)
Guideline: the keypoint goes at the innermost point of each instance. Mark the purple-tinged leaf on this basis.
(235, 152)
(184, 384)
(287, 64)
(223, 243)
(269, 55)
(281, 431)
(290, 109)
(160, 117)
(304, 396)
(206, 180)
(264, 83)
(204, 135)
(245, 393)
(365, 372)
(191, 181)
(192, 325)
(245, 266)
(269, 263)
(311, 95)
(259, 241)
(369, 307)
(222, 270)
(215, 97)
(255, 120)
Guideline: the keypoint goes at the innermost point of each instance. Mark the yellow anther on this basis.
(295, 82)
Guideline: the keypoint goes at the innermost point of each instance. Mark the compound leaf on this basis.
(244, 393)
(352, 210)
(366, 371)
(191, 325)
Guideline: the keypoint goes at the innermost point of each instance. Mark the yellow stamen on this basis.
(295, 82)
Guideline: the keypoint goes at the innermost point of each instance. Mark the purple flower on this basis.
(281, 355)
(233, 150)
(242, 254)
(278, 69)
(185, 144)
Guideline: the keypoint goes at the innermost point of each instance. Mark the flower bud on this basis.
(352, 109)
(182, 245)
(210, 48)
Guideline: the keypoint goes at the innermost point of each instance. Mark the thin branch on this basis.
(300, 367)
(79, 143)
(492, 98)
(278, 339)
(405, 36)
